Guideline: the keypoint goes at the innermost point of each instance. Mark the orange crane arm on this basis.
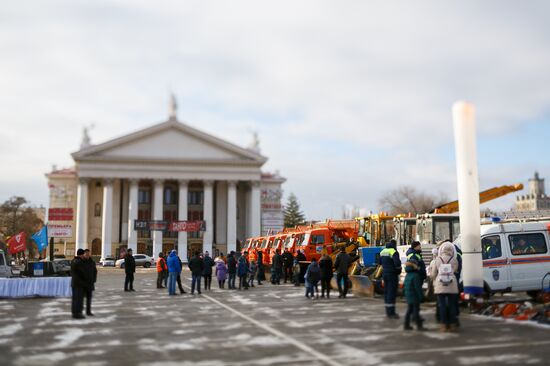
(484, 196)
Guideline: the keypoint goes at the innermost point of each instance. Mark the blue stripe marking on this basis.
(473, 290)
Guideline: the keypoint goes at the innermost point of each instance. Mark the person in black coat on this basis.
(196, 265)
(342, 263)
(178, 279)
(287, 265)
(231, 270)
(207, 271)
(325, 263)
(301, 257)
(261, 269)
(79, 283)
(91, 277)
(277, 268)
(129, 269)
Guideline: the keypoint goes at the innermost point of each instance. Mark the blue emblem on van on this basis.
(496, 275)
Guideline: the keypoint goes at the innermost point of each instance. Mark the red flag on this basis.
(17, 243)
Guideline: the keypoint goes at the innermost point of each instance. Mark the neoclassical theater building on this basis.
(167, 172)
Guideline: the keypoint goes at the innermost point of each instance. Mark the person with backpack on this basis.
(221, 273)
(325, 264)
(312, 277)
(442, 272)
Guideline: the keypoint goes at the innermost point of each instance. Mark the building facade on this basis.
(536, 199)
(165, 173)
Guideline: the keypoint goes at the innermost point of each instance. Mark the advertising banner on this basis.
(60, 214)
(188, 226)
(158, 225)
(60, 231)
(141, 224)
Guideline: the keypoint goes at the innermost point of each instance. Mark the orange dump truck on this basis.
(325, 235)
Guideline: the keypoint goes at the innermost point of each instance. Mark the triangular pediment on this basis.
(166, 142)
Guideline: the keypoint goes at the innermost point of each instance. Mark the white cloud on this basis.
(350, 99)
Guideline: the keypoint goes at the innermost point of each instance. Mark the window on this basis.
(144, 196)
(318, 239)
(170, 196)
(195, 197)
(2, 263)
(442, 231)
(526, 244)
(97, 210)
(139, 257)
(491, 247)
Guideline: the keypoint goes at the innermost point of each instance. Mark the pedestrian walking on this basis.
(161, 269)
(78, 283)
(196, 265)
(178, 278)
(221, 273)
(207, 271)
(325, 264)
(303, 265)
(341, 264)
(312, 277)
(252, 268)
(91, 277)
(129, 270)
(413, 290)
(288, 260)
(277, 265)
(242, 271)
(442, 272)
(391, 268)
(261, 267)
(174, 267)
(231, 270)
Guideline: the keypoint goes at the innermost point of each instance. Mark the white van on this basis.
(5, 268)
(516, 255)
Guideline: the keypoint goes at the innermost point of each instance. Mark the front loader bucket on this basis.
(359, 285)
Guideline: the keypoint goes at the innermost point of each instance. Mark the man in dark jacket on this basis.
(287, 265)
(196, 265)
(391, 268)
(277, 264)
(341, 264)
(129, 269)
(231, 269)
(91, 277)
(178, 279)
(207, 271)
(301, 257)
(325, 264)
(415, 251)
(261, 269)
(78, 283)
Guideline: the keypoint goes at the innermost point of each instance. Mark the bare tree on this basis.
(407, 199)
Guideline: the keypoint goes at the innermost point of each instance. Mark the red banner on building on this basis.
(17, 243)
(60, 214)
(187, 226)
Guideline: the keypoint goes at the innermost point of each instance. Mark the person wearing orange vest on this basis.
(161, 270)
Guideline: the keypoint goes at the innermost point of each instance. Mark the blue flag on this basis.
(41, 238)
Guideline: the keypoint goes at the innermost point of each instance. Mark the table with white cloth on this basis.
(35, 286)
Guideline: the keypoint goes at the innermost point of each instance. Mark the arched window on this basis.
(97, 210)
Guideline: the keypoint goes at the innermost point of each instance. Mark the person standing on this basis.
(261, 268)
(277, 264)
(178, 279)
(242, 271)
(174, 267)
(231, 270)
(325, 264)
(442, 271)
(287, 265)
(413, 292)
(196, 265)
(221, 273)
(296, 272)
(91, 277)
(161, 270)
(252, 268)
(341, 264)
(313, 275)
(391, 268)
(78, 283)
(207, 271)
(303, 265)
(129, 269)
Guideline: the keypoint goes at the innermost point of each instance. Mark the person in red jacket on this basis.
(162, 268)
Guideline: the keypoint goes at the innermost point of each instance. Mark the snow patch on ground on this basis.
(507, 359)
(242, 300)
(356, 356)
(88, 320)
(11, 329)
(41, 359)
(266, 341)
(186, 363)
(440, 336)
(302, 324)
(67, 338)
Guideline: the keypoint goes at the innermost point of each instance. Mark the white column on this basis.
(132, 214)
(255, 209)
(157, 215)
(82, 214)
(182, 216)
(231, 216)
(107, 218)
(208, 217)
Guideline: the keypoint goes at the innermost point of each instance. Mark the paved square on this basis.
(266, 325)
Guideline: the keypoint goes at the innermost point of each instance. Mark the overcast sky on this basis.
(350, 99)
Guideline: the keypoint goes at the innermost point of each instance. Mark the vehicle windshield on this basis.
(305, 240)
(264, 243)
(276, 243)
(289, 242)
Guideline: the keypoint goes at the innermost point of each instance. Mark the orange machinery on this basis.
(325, 235)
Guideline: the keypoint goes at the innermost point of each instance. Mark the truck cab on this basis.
(434, 228)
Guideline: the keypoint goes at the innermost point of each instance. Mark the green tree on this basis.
(293, 214)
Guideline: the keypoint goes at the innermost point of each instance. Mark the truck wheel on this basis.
(147, 265)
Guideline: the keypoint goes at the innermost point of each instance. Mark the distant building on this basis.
(536, 199)
(165, 173)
